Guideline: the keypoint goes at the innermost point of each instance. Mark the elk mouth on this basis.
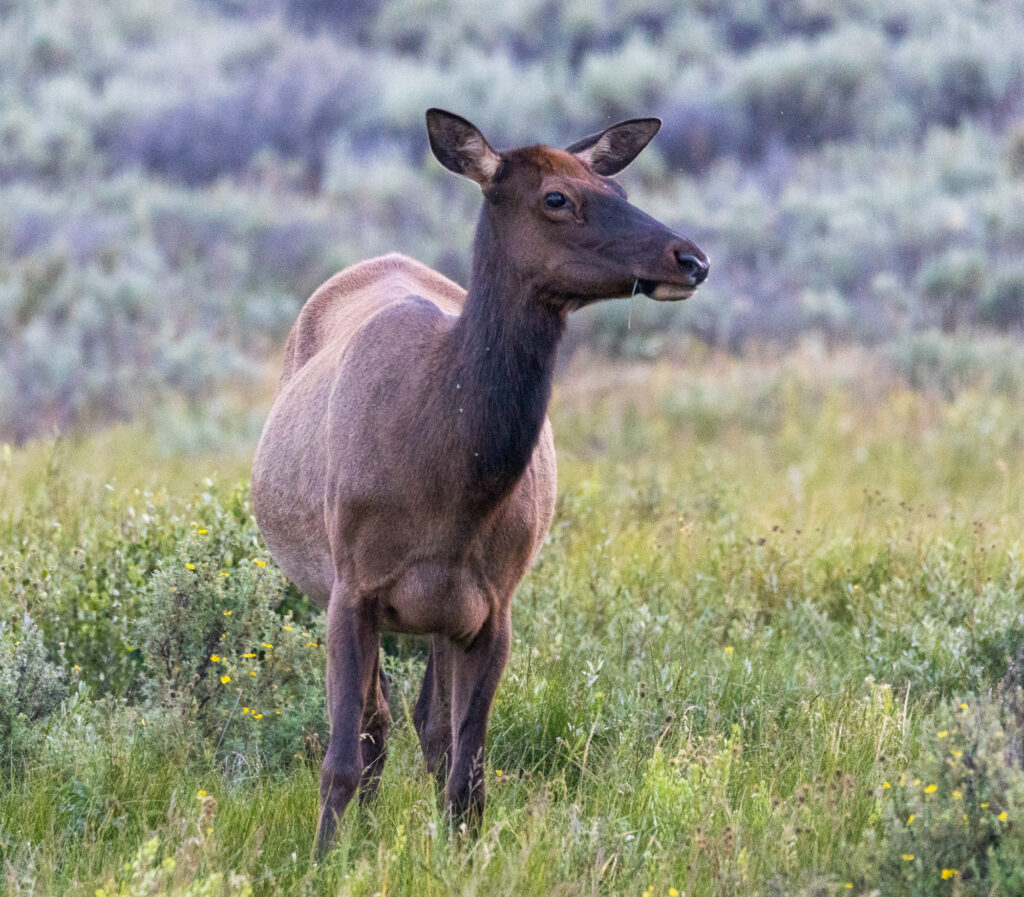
(662, 291)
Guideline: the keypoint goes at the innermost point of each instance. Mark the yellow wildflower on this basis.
(215, 658)
(956, 753)
(227, 613)
(266, 644)
(931, 789)
(225, 679)
(202, 532)
(886, 785)
(728, 649)
(910, 819)
(1002, 816)
(983, 806)
(949, 873)
(201, 794)
(942, 734)
(245, 710)
(191, 566)
(957, 795)
(257, 716)
(963, 706)
(906, 857)
(260, 563)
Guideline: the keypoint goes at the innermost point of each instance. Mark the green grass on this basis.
(780, 600)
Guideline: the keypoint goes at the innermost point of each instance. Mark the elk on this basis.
(405, 478)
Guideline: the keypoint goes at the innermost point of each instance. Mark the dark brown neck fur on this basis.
(499, 371)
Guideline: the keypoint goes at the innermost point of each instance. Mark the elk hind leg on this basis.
(432, 715)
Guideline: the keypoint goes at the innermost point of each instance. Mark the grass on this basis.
(780, 601)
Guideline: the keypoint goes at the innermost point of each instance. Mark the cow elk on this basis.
(405, 478)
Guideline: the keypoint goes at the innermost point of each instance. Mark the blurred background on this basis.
(177, 176)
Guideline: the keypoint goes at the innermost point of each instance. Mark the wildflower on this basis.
(215, 658)
(266, 644)
(949, 873)
(672, 892)
(728, 649)
(931, 789)
(910, 819)
(942, 734)
(1002, 816)
(957, 753)
(906, 857)
(957, 795)
(963, 706)
(245, 710)
(76, 667)
(257, 716)
(223, 573)
(201, 794)
(250, 654)
(227, 613)
(202, 532)
(225, 680)
(191, 566)
(259, 563)
(252, 672)
(142, 721)
(311, 644)
(499, 773)
(287, 628)
(983, 806)
(886, 785)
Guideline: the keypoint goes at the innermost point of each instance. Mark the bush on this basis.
(32, 687)
(221, 662)
(956, 814)
(1003, 304)
(951, 285)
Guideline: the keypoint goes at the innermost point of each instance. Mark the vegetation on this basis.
(179, 176)
(772, 646)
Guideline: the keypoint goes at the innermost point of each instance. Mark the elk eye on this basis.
(555, 200)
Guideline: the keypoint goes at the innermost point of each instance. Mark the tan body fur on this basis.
(401, 540)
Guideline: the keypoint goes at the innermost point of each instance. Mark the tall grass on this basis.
(779, 613)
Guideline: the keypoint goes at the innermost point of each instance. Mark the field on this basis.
(773, 646)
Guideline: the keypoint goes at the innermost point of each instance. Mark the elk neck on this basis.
(501, 359)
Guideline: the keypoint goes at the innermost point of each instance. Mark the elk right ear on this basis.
(460, 147)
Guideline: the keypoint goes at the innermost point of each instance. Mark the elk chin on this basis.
(665, 292)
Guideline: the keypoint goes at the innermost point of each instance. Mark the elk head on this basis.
(560, 220)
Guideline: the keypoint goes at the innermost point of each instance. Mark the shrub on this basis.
(951, 285)
(956, 814)
(220, 660)
(31, 688)
(1003, 303)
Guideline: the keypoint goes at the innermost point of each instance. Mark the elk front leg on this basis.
(353, 647)
(433, 715)
(476, 674)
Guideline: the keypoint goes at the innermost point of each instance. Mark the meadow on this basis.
(772, 646)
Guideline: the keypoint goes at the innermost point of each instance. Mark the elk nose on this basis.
(696, 269)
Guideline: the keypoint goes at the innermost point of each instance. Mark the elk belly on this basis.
(431, 597)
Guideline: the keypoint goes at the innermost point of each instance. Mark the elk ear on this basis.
(615, 147)
(460, 147)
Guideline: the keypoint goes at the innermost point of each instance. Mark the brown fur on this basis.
(405, 478)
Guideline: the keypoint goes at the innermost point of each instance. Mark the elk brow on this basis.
(617, 188)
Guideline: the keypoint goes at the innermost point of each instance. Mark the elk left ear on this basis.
(615, 147)
(460, 147)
